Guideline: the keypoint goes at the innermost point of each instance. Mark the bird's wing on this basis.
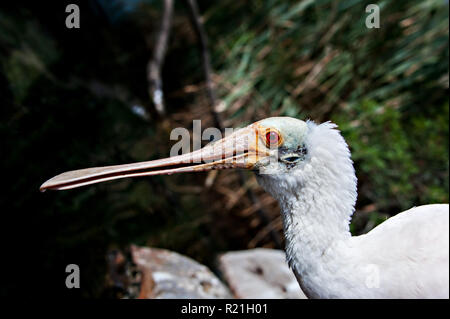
(411, 251)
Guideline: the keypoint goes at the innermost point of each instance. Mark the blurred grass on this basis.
(68, 97)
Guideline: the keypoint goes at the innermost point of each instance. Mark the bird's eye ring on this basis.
(273, 138)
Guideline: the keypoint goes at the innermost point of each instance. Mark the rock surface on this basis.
(166, 274)
(260, 274)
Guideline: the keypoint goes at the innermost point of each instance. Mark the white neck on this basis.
(317, 201)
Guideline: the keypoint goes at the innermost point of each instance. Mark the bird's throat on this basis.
(317, 232)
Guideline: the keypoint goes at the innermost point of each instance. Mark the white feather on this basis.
(407, 256)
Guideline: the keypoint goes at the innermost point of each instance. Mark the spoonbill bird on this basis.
(308, 169)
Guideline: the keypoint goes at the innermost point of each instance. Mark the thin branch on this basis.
(154, 66)
(197, 23)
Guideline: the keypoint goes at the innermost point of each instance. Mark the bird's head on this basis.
(275, 148)
(284, 139)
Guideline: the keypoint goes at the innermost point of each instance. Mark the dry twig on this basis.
(154, 67)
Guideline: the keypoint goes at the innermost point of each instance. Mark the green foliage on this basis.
(400, 163)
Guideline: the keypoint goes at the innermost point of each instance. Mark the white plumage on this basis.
(406, 256)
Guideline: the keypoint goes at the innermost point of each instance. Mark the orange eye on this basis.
(272, 139)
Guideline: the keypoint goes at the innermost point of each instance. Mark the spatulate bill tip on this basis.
(43, 187)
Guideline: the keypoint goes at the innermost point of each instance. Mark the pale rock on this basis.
(168, 275)
(259, 274)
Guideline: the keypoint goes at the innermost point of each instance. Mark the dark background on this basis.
(69, 99)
